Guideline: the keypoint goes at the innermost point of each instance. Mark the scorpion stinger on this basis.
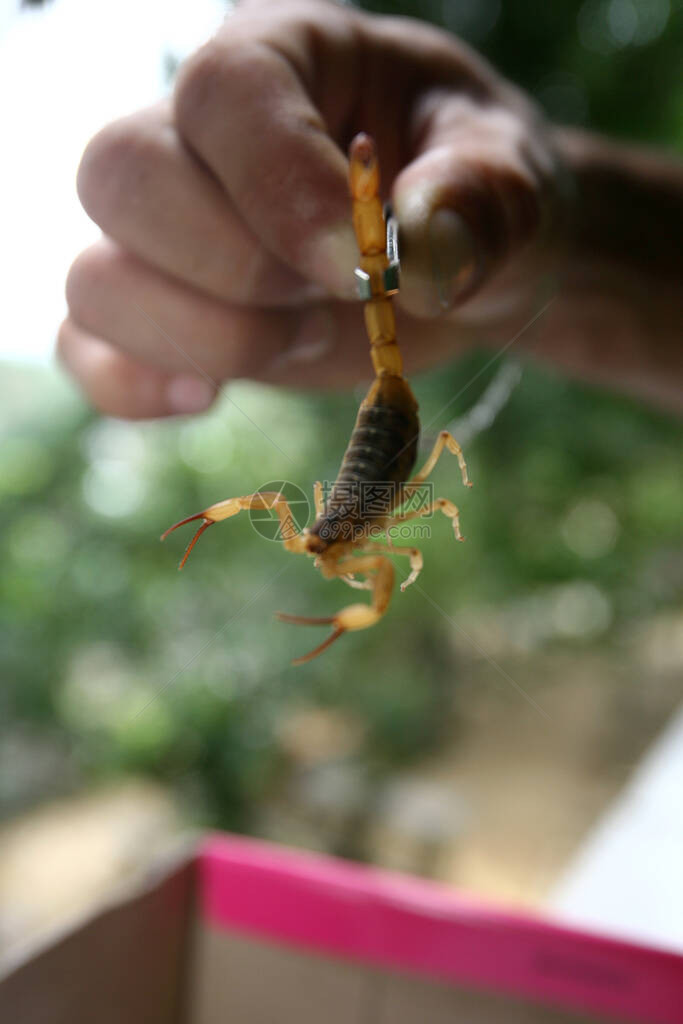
(383, 445)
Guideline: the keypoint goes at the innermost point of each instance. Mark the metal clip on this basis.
(390, 276)
(392, 235)
(363, 286)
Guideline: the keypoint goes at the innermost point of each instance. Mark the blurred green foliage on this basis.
(113, 662)
(611, 65)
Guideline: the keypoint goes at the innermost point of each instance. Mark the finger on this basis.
(473, 196)
(146, 190)
(171, 326)
(120, 385)
(177, 330)
(241, 105)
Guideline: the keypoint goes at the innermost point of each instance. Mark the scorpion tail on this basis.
(377, 275)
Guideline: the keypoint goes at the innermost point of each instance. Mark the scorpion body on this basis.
(381, 453)
(383, 447)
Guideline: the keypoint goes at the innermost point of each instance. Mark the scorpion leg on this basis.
(439, 505)
(444, 440)
(414, 554)
(354, 616)
(293, 541)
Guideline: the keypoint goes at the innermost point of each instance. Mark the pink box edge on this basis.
(398, 922)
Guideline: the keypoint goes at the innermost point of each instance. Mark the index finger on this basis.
(241, 105)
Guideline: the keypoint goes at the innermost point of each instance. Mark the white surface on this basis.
(628, 878)
(65, 71)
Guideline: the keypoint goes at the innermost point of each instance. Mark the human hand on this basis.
(228, 248)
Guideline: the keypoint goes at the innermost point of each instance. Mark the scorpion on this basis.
(382, 451)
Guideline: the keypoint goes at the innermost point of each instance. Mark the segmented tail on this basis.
(377, 277)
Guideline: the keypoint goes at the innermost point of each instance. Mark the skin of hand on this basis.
(227, 246)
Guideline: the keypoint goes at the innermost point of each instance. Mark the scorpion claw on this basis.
(334, 635)
(206, 523)
(303, 620)
(181, 522)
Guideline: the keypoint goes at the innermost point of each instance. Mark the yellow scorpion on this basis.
(382, 450)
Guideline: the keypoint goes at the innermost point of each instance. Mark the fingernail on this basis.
(335, 259)
(453, 254)
(186, 394)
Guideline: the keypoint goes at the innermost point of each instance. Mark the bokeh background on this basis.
(477, 733)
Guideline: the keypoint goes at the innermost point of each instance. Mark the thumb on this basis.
(470, 200)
